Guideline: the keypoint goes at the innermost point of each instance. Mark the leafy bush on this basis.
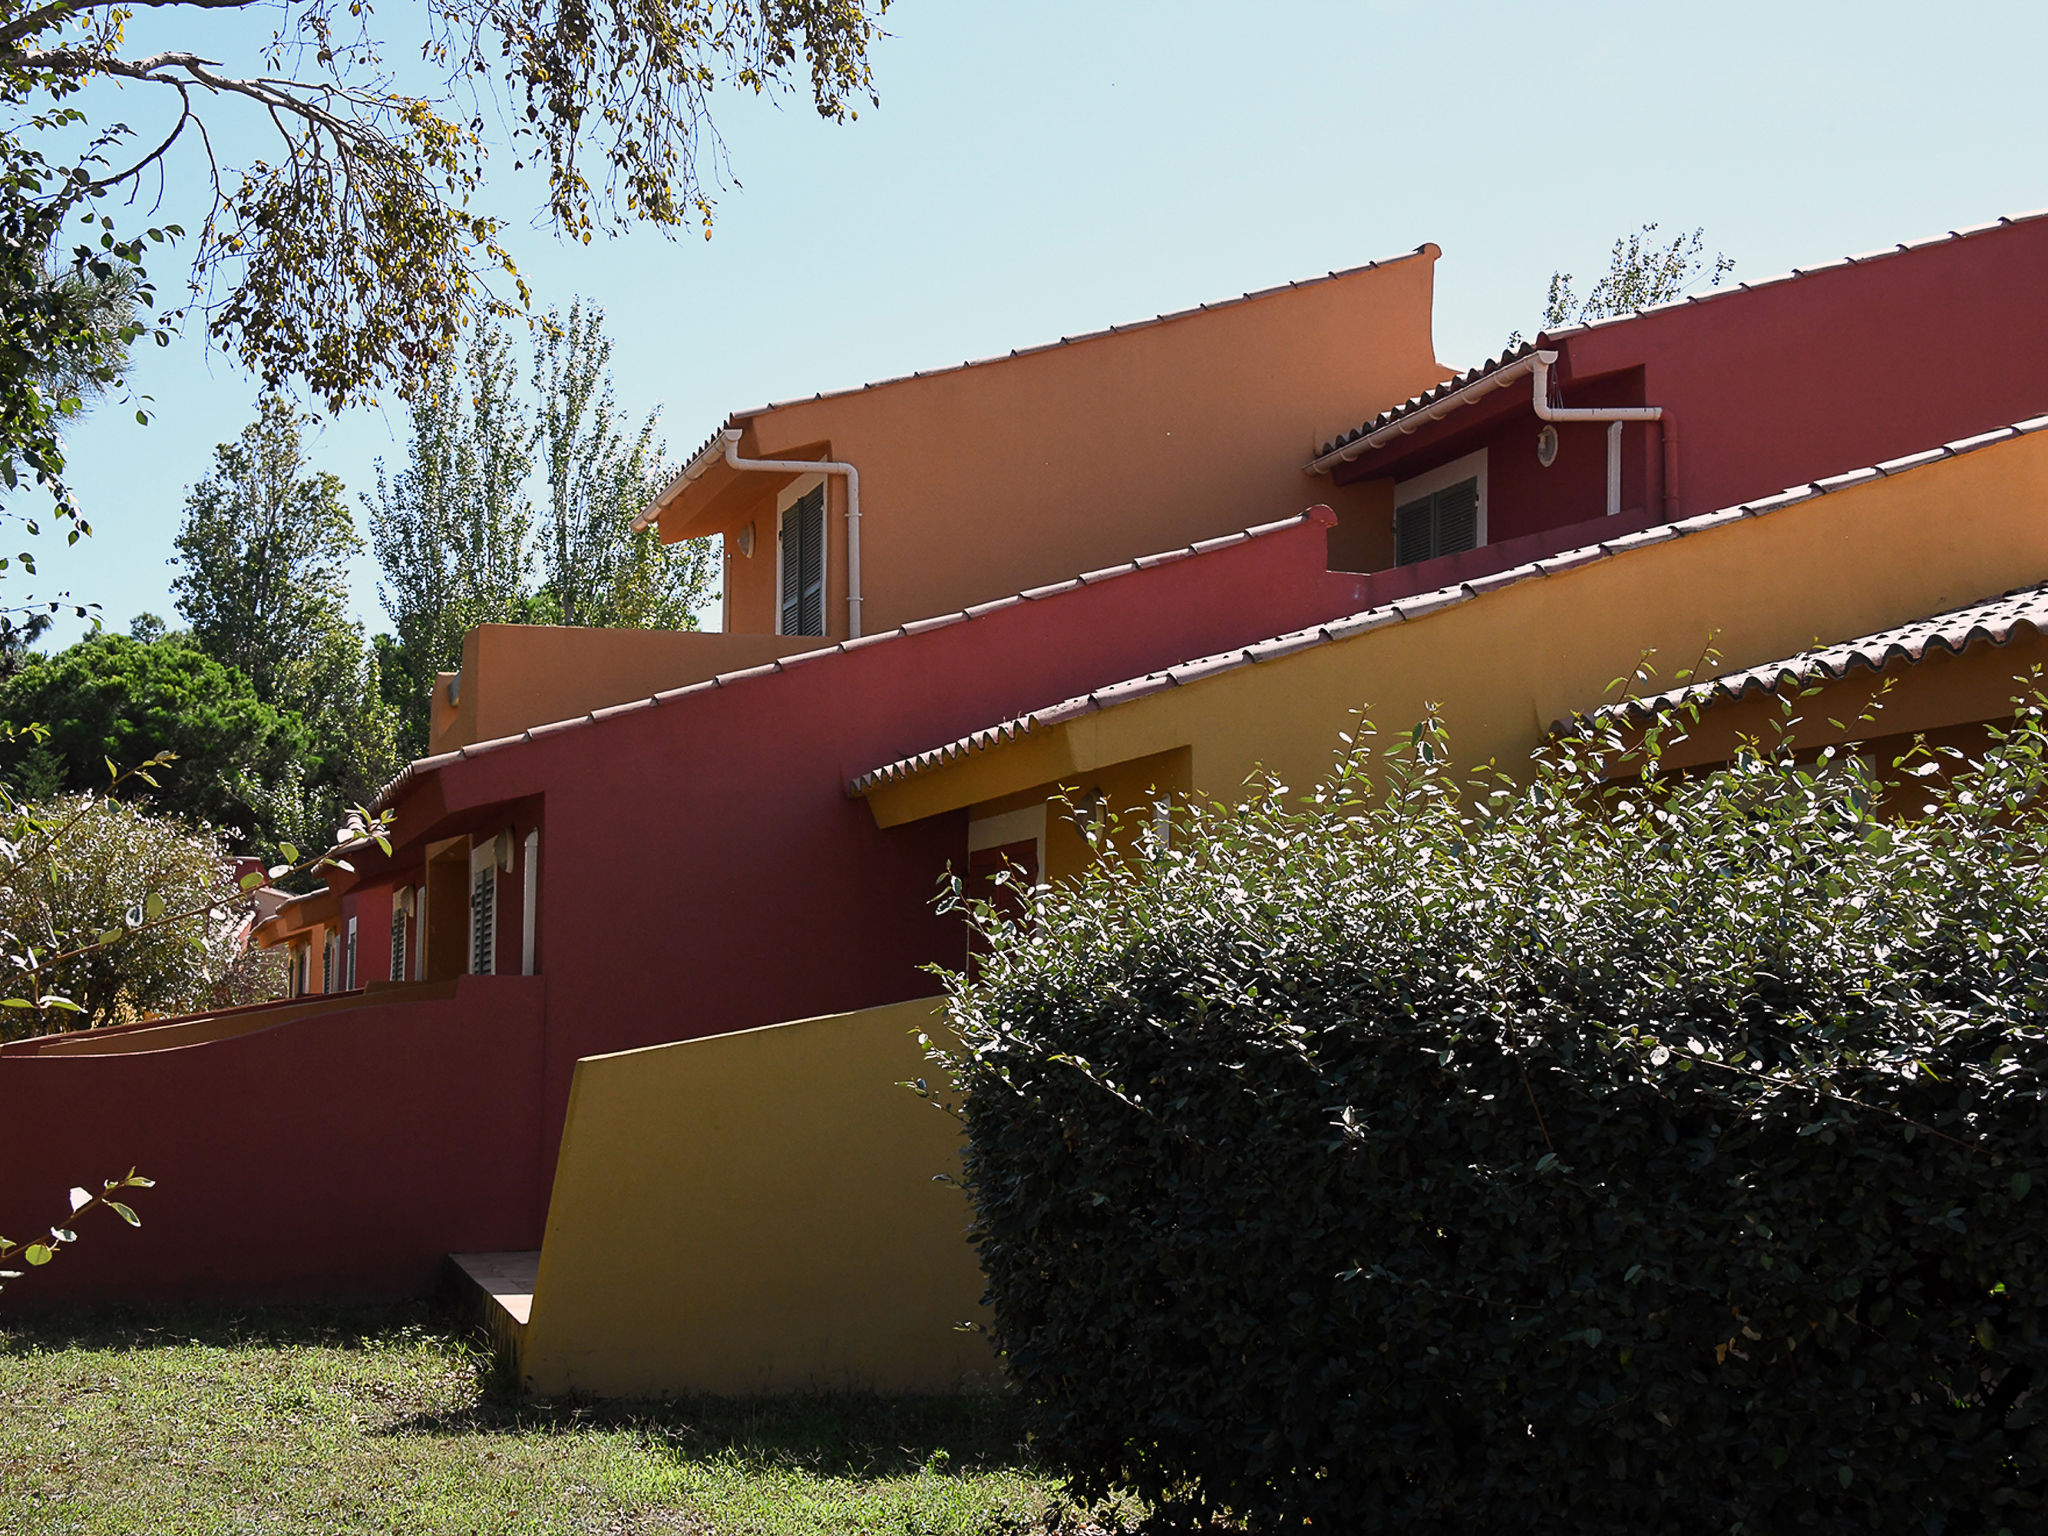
(80, 869)
(1590, 1154)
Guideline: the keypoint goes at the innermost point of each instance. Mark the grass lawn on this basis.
(391, 1421)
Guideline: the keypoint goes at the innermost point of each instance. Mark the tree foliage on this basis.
(349, 256)
(1641, 273)
(66, 324)
(1599, 1153)
(263, 582)
(113, 700)
(112, 869)
(263, 554)
(600, 472)
(451, 529)
(516, 506)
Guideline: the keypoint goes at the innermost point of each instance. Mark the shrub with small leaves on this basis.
(1598, 1151)
(120, 914)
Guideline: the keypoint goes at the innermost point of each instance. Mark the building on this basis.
(551, 1029)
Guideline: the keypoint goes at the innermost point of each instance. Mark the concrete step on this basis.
(499, 1286)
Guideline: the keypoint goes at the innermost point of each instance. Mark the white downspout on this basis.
(731, 438)
(1614, 415)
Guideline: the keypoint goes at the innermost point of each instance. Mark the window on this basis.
(326, 960)
(528, 927)
(485, 860)
(800, 566)
(1442, 512)
(401, 908)
(483, 919)
(349, 969)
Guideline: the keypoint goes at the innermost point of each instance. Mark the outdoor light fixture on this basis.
(1546, 447)
(745, 539)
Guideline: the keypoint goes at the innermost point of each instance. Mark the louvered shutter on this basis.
(1457, 517)
(1414, 531)
(803, 565)
(483, 921)
(1445, 522)
(792, 573)
(397, 943)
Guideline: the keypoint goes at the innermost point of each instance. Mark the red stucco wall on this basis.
(701, 870)
(1778, 385)
(343, 1154)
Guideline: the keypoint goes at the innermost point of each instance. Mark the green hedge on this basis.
(1574, 1156)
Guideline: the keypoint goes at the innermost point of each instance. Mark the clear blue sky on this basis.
(1044, 168)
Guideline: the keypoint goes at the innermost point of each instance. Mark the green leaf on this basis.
(288, 853)
(38, 1254)
(124, 1213)
(2021, 1183)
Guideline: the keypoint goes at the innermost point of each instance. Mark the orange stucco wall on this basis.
(983, 481)
(1507, 664)
(519, 675)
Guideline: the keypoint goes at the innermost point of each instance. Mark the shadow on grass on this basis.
(845, 1435)
(850, 1435)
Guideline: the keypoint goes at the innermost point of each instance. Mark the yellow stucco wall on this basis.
(756, 1212)
(1505, 665)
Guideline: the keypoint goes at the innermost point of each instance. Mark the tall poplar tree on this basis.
(451, 530)
(600, 472)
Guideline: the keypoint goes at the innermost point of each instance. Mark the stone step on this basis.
(500, 1288)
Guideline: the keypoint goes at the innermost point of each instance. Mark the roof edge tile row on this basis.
(420, 768)
(1995, 621)
(1405, 609)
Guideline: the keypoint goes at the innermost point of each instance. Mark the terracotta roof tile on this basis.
(414, 771)
(1394, 613)
(1997, 621)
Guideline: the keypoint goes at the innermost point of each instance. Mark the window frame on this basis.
(483, 859)
(1471, 466)
(792, 496)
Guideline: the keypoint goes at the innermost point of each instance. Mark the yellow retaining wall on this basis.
(756, 1212)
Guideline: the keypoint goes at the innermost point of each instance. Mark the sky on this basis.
(1037, 170)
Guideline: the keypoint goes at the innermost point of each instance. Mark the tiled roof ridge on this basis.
(1705, 296)
(739, 418)
(421, 767)
(1404, 609)
(1994, 621)
(1431, 396)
